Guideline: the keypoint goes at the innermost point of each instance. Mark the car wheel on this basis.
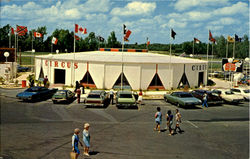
(54, 101)
(166, 100)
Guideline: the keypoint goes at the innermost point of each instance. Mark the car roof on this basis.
(182, 92)
(96, 92)
(124, 92)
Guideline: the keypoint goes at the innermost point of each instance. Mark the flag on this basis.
(76, 28)
(38, 35)
(128, 32)
(230, 39)
(211, 37)
(21, 30)
(197, 41)
(84, 31)
(12, 31)
(54, 40)
(173, 34)
(148, 42)
(101, 39)
(237, 38)
(124, 29)
(81, 29)
(77, 37)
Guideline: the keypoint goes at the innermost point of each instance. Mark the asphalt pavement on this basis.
(43, 130)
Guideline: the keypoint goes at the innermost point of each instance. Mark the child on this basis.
(169, 118)
(86, 139)
(75, 140)
(158, 119)
(178, 121)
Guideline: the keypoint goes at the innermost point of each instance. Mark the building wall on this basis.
(138, 75)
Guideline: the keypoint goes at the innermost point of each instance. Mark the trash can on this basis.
(23, 83)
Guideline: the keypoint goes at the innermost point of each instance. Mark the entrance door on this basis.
(59, 76)
(200, 79)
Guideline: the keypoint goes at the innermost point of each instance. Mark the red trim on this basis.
(144, 50)
(101, 49)
(156, 68)
(156, 87)
(88, 85)
(131, 50)
(87, 66)
(112, 49)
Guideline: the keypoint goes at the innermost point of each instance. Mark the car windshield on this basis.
(60, 92)
(229, 92)
(125, 95)
(93, 96)
(246, 91)
(33, 89)
(186, 95)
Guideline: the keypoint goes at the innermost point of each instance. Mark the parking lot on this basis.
(43, 130)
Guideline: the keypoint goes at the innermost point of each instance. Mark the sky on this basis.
(145, 18)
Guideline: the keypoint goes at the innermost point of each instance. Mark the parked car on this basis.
(22, 68)
(212, 98)
(125, 99)
(36, 93)
(97, 98)
(182, 99)
(242, 91)
(228, 96)
(63, 96)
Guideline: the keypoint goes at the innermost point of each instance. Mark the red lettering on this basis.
(50, 63)
(62, 64)
(76, 65)
(68, 64)
(56, 63)
(46, 62)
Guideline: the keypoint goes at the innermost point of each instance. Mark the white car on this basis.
(228, 96)
(242, 91)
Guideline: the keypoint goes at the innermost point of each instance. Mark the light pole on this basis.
(32, 67)
(7, 54)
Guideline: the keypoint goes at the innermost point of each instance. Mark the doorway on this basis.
(200, 78)
(59, 76)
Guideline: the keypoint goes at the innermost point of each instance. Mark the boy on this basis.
(158, 119)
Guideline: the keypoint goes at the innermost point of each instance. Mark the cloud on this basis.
(238, 8)
(135, 8)
(182, 5)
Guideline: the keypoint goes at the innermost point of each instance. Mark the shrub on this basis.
(16, 82)
(2, 80)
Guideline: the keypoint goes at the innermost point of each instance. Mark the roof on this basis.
(118, 57)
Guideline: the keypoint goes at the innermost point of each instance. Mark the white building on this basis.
(104, 70)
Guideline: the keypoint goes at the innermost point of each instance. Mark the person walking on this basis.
(178, 121)
(140, 97)
(83, 89)
(158, 119)
(111, 96)
(169, 118)
(45, 80)
(75, 140)
(78, 94)
(205, 100)
(86, 138)
(77, 86)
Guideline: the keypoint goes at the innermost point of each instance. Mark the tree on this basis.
(4, 37)
(112, 41)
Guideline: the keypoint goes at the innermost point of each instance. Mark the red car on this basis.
(211, 97)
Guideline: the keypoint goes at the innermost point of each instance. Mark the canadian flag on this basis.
(38, 35)
(54, 40)
(80, 29)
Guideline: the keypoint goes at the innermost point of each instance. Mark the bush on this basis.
(16, 82)
(2, 80)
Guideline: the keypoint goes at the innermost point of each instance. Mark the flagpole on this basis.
(51, 47)
(212, 59)
(15, 54)
(170, 54)
(74, 42)
(32, 41)
(74, 55)
(122, 57)
(227, 50)
(193, 47)
(234, 49)
(10, 39)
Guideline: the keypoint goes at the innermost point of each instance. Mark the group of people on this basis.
(169, 119)
(75, 140)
